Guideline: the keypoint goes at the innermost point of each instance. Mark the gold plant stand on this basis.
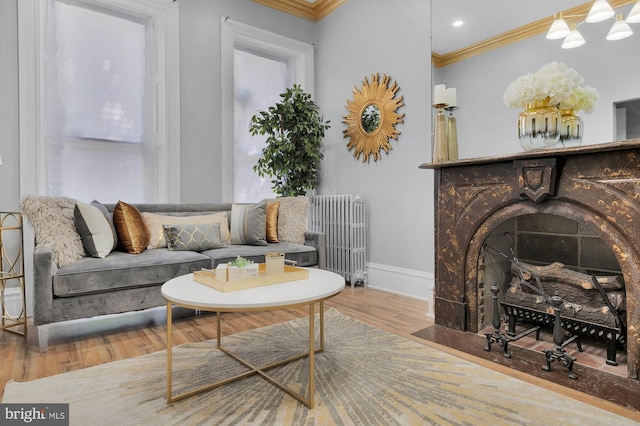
(12, 274)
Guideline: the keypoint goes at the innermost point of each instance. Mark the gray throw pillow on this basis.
(96, 230)
(193, 237)
(249, 224)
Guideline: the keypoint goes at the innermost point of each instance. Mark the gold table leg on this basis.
(309, 402)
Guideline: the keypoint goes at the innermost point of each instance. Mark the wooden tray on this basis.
(291, 273)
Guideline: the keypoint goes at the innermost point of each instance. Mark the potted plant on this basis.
(292, 155)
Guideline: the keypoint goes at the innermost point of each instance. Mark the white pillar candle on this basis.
(450, 97)
(439, 94)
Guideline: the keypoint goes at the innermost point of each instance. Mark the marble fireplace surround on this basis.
(595, 185)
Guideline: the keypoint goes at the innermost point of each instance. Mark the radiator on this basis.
(343, 219)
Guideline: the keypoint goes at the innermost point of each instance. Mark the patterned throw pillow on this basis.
(249, 223)
(156, 221)
(193, 237)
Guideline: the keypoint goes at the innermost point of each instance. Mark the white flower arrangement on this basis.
(554, 84)
(582, 99)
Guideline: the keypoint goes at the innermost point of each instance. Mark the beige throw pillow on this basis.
(155, 223)
(292, 219)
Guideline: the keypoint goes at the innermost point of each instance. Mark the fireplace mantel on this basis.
(595, 185)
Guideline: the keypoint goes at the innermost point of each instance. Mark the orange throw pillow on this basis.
(272, 221)
(131, 228)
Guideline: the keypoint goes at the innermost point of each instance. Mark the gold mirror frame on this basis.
(379, 94)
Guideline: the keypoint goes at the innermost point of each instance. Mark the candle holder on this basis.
(440, 142)
(452, 133)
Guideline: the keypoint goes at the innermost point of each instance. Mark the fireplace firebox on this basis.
(597, 186)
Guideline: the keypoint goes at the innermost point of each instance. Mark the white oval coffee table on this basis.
(185, 292)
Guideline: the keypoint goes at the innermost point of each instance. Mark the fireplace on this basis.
(595, 186)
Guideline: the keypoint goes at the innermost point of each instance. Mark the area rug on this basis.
(366, 376)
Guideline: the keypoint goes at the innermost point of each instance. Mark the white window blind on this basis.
(257, 84)
(100, 104)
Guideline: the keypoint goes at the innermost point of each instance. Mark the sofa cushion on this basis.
(155, 223)
(200, 237)
(121, 270)
(54, 226)
(248, 223)
(97, 232)
(132, 231)
(301, 254)
(292, 219)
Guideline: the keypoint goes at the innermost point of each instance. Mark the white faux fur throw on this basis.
(53, 224)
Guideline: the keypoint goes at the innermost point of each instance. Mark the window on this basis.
(107, 77)
(257, 67)
(257, 84)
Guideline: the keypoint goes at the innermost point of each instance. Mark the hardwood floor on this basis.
(82, 344)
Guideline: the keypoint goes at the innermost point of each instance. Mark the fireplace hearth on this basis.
(597, 186)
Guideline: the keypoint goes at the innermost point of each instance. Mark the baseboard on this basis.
(408, 282)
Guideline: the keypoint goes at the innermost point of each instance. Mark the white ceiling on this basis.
(484, 19)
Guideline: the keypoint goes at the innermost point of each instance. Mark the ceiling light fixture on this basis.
(600, 11)
(574, 39)
(559, 28)
(634, 15)
(620, 29)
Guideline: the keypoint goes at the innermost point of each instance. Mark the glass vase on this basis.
(571, 129)
(539, 126)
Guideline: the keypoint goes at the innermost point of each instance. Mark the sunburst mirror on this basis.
(372, 118)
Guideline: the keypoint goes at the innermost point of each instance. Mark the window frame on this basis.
(236, 34)
(32, 16)
(32, 20)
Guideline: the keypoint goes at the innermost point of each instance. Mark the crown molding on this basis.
(541, 26)
(311, 10)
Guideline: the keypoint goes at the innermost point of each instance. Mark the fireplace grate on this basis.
(611, 335)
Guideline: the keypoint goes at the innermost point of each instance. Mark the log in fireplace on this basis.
(597, 186)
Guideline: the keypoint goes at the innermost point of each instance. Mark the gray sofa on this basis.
(123, 282)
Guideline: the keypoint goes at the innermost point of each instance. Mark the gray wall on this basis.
(375, 36)
(9, 147)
